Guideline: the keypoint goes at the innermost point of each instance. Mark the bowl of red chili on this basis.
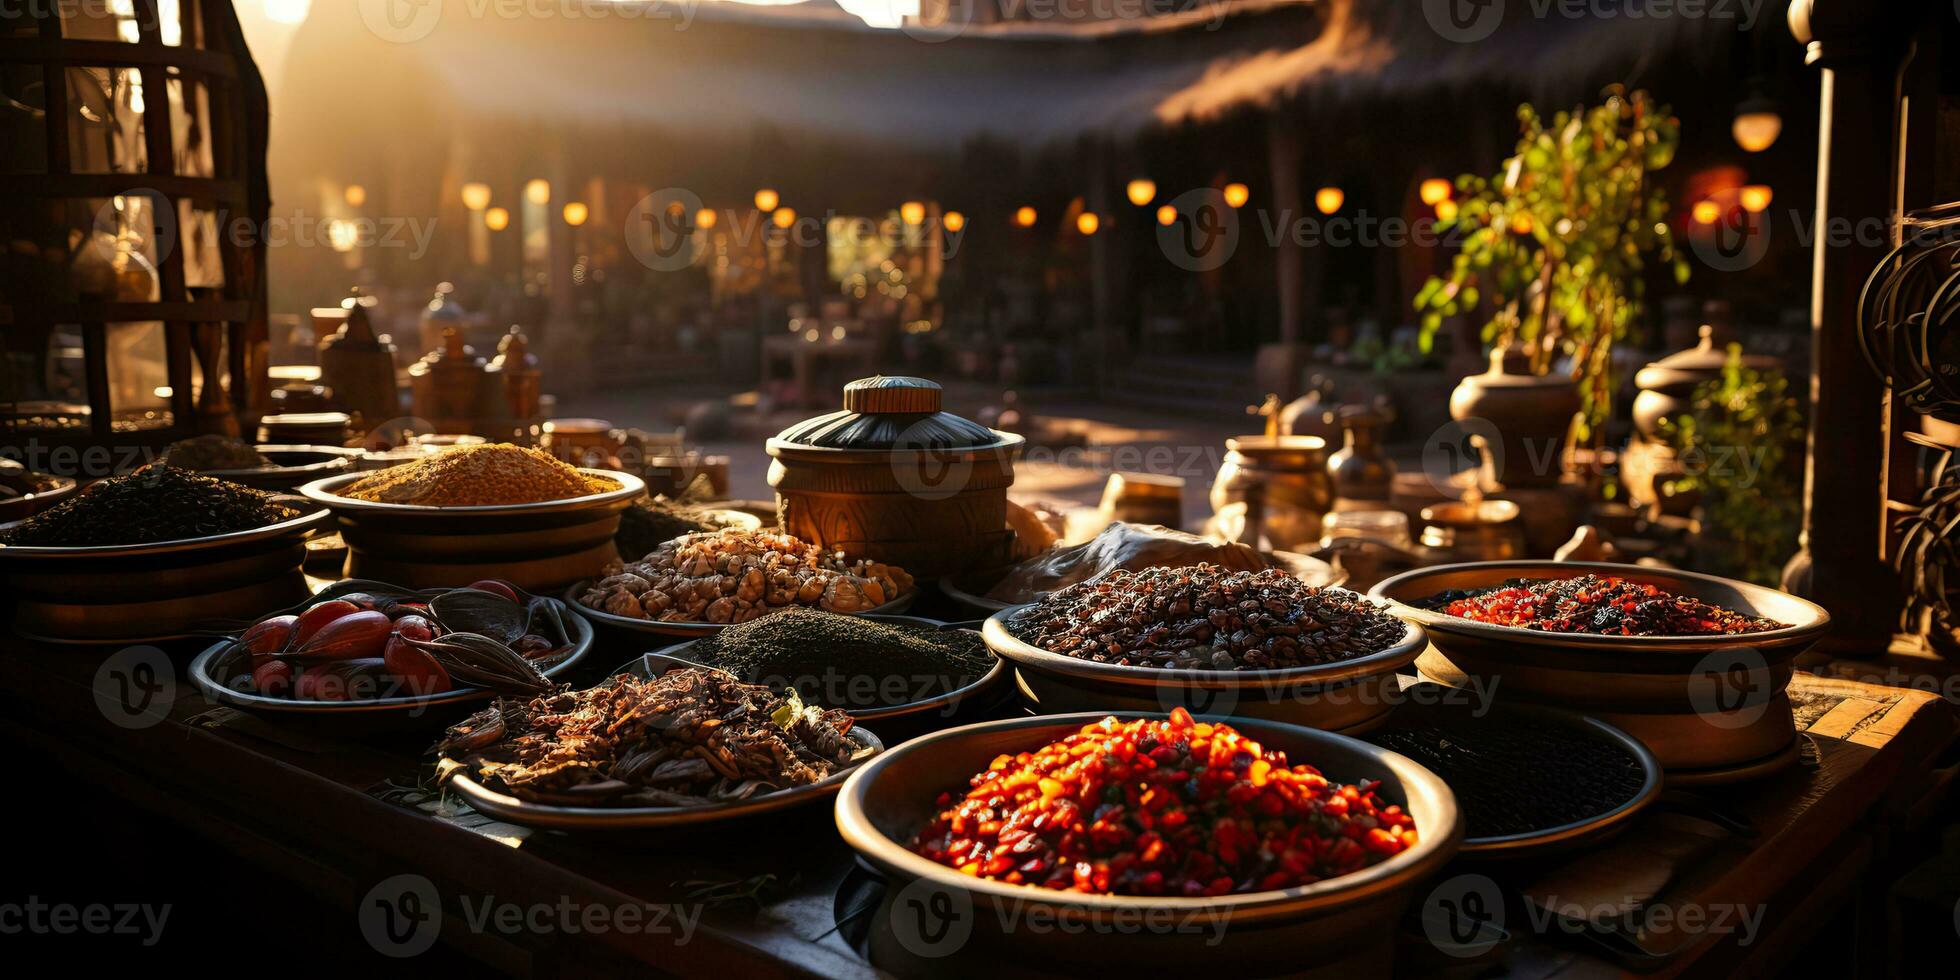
(1693, 665)
(1089, 842)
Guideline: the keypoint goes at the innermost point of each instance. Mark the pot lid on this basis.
(1702, 362)
(892, 413)
(1510, 368)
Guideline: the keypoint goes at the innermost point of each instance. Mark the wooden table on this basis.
(344, 819)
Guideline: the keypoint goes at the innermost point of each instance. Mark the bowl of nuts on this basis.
(698, 583)
(1255, 644)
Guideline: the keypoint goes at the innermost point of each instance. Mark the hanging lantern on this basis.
(1755, 198)
(1328, 199)
(912, 213)
(1707, 212)
(1446, 210)
(538, 192)
(767, 199)
(1167, 215)
(476, 196)
(1024, 216)
(1435, 191)
(784, 217)
(1087, 222)
(496, 219)
(1237, 194)
(356, 195)
(1141, 191)
(954, 221)
(1757, 121)
(705, 218)
(576, 212)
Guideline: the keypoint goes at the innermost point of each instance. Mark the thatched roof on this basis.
(712, 75)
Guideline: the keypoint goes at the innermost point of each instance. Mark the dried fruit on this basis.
(355, 636)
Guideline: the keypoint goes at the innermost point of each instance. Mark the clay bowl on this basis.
(1350, 696)
(28, 504)
(369, 715)
(1705, 705)
(970, 590)
(1343, 926)
(159, 591)
(669, 629)
(538, 547)
(894, 723)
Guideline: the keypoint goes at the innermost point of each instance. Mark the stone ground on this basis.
(1115, 438)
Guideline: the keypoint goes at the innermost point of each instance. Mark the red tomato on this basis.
(497, 586)
(320, 615)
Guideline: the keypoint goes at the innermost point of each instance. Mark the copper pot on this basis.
(1530, 414)
(1484, 531)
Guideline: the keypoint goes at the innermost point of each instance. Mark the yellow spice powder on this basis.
(479, 476)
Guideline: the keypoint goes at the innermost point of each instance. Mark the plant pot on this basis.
(1529, 417)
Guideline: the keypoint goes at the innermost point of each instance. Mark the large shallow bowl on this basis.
(1704, 704)
(1347, 696)
(1433, 705)
(616, 818)
(970, 590)
(1343, 926)
(160, 591)
(539, 547)
(694, 631)
(292, 467)
(894, 723)
(370, 714)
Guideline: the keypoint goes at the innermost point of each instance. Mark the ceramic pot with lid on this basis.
(894, 479)
(1363, 473)
(1286, 478)
(1667, 386)
(1532, 415)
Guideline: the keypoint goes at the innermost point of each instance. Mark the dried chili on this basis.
(1605, 605)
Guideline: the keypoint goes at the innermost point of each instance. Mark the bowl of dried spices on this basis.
(903, 675)
(150, 555)
(24, 492)
(478, 512)
(1530, 780)
(1694, 666)
(1275, 849)
(1259, 644)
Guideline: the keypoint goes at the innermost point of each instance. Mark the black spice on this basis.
(1205, 618)
(1512, 779)
(846, 661)
(156, 503)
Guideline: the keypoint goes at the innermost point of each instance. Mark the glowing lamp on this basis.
(1755, 198)
(538, 192)
(912, 213)
(476, 196)
(356, 195)
(1087, 222)
(576, 212)
(1757, 131)
(1141, 191)
(705, 218)
(1328, 199)
(1024, 216)
(766, 199)
(1707, 212)
(1435, 191)
(954, 221)
(1237, 194)
(784, 217)
(496, 219)
(1167, 215)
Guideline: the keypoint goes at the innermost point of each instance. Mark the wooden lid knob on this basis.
(892, 396)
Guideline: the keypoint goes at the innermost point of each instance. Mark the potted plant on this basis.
(1554, 250)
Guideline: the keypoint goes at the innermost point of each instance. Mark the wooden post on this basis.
(1860, 50)
(1283, 150)
(1101, 265)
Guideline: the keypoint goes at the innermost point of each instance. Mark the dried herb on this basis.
(846, 660)
(156, 503)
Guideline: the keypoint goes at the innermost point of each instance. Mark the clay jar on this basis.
(1287, 475)
(1530, 414)
(894, 479)
(1363, 474)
